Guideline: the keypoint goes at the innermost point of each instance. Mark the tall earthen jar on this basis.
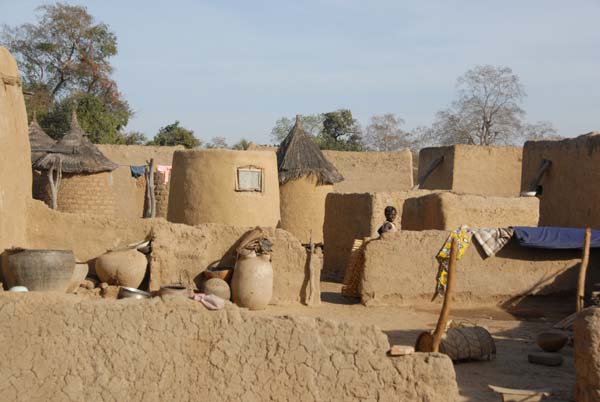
(252, 283)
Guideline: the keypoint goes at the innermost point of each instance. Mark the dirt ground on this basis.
(514, 332)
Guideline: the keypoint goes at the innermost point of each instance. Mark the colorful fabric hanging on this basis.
(463, 235)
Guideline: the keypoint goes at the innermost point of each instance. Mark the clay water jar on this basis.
(252, 283)
(41, 270)
(124, 267)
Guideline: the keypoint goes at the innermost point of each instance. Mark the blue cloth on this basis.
(550, 237)
(137, 171)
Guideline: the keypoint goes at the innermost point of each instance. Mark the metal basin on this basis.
(132, 293)
(41, 270)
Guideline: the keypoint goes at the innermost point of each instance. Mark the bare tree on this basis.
(488, 109)
(542, 130)
(384, 133)
(217, 142)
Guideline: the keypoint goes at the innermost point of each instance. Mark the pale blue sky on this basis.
(231, 68)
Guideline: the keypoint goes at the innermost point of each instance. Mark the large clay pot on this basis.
(123, 268)
(41, 270)
(252, 283)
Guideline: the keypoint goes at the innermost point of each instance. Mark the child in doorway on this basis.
(390, 216)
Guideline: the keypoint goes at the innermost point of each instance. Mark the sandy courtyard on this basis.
(514, 335)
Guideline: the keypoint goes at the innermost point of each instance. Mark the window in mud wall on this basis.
(249, 178)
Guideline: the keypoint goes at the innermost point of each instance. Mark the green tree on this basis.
(241, 145)
(101, 121)
(131, 138)
(313, 124)
(173, 134)
(341, 132)
(65, 54)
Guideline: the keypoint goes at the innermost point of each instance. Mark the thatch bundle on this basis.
(39, 141)
(77, 153)
(298, 156)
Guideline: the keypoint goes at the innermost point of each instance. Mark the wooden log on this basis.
(585, 259)
(445, 312)
(545, 165)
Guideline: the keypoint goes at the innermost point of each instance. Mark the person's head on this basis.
(390, 213)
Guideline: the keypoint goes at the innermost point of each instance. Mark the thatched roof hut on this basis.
(39, 141)
(305, 177)
(298, 156)
(77, 153)
(84, 180)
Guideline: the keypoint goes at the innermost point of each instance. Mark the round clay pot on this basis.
(552, 341)
(217, 287)
(224, 273)
(41, 270)
(174, 289)
(252, 283)
(123, 268)
(79, 274)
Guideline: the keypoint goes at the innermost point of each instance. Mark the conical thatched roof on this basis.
(299, 156)
(78, 154)
(40, 141)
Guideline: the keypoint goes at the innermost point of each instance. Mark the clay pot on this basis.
(224, 273)
(79, 274)
(217, 287)
(174, 290)
(552, 341)
(41, 270)
(252, 283)
(124, 268)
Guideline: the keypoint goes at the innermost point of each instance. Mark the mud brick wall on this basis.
(59, 348)
(81, 193)
(571, 194)
(474, 169)
(161, 194)
(401, 269)
(372, 171)
(587, 355)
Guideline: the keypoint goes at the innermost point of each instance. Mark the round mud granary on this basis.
(82, 172)
(238, 188)
(305, 179)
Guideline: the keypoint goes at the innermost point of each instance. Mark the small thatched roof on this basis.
(299, 156)
(77, 153)
(40, 141)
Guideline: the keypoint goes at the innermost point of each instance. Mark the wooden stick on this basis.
(434, 165)
(546, 164)
(440, 328)
(585, 259)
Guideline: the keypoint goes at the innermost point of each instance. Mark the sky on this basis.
(232, 68)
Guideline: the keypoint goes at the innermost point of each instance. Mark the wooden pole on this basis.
(585, 259)
(445, 312)
(150, 211)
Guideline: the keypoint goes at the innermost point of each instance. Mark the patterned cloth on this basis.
(463, 235)
(493, 240)
(387, 227)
